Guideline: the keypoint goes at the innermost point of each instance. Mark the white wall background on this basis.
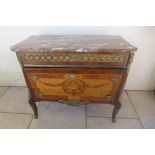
(142, 73)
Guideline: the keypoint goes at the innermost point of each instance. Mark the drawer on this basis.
(74, 59)
(87, 85)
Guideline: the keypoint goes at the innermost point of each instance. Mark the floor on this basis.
(137, 112)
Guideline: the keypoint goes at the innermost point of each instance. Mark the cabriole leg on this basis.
(33, 104)
(115, 111)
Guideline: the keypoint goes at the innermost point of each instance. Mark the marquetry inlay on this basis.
(75, 88)
(74, 57)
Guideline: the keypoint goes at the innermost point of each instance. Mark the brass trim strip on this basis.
(71, 66)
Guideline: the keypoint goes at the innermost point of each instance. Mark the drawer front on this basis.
(68, 59)
(74, 85)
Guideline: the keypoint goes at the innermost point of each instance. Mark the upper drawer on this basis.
(74, 59)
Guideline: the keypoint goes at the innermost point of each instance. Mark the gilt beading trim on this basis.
(73, 102)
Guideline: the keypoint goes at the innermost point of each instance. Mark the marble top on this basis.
(77, 43)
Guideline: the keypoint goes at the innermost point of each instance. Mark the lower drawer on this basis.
(88, 85)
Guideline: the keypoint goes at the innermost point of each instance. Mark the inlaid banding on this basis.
(75, 57)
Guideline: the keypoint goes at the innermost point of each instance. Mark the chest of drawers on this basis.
(75, 70)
